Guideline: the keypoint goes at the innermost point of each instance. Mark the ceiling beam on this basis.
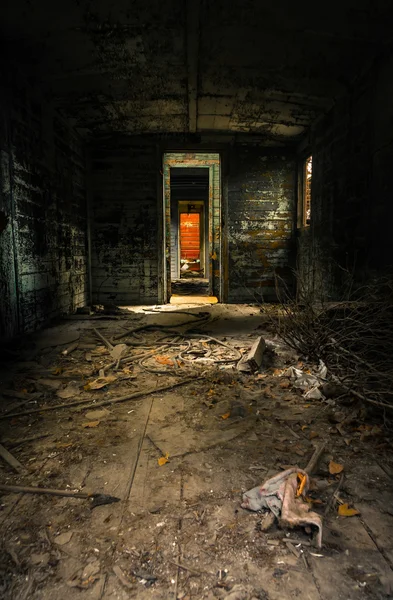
(192, 38)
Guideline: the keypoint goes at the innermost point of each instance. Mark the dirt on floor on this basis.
(147, 406)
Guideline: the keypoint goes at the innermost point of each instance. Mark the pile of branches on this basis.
(353, 337)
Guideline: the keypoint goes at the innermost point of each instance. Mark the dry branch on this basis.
(353, 337)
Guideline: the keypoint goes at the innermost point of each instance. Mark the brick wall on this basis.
(352, 187)
(125, 221)
(261, 184)
(43, 263)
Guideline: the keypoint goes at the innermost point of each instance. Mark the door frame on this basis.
(212, 161)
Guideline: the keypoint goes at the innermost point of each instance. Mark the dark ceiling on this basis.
(207, 66)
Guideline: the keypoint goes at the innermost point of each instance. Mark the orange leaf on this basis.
(226, 415)
(335, 468)
(91, 424)
(211, 392)
(303, 480)
(284, 385)
(345, 511)
(304, 427)
(164, 360)
(313, 434)
(163, 460)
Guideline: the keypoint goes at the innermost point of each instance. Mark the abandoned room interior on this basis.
(196, 208)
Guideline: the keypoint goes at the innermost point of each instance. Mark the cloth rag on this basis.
(278, 494)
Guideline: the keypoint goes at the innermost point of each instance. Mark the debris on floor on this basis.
(148, 419)
(280, 495)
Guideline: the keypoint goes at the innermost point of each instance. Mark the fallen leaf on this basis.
(345, 511)
(97, 415)
(118, 351)
(299, 452)
(99, 383)
(91, 424)
(313, 434)
(284, 385)
(163, 460)
(302, 484)
(278, 372)
(164, 360)
(211, 392)
(304, 427)
(62, 445)
(280, 447)
(63, 538)
(39, 559)
(57, 371)
(70, 391)
(226, 415)
(335, 468)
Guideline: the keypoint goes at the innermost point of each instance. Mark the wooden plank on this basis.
(11, 460)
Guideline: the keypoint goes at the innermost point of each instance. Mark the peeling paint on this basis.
(43, 264)
(260, 222)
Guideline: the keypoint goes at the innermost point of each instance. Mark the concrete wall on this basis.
(352, 186)
(257, 213)
(261, 203)
(43, 263)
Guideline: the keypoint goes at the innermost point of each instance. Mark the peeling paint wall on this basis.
(352, 189)
(256, 213)
(43, 263)
(261, 184)
(124, 178)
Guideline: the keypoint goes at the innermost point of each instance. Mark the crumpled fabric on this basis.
(278, 494)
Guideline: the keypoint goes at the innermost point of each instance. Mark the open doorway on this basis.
(192, 228)
(189, 231)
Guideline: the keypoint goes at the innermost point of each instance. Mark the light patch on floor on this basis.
(193, 299)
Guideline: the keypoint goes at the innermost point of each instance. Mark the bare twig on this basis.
(315, 458)
(331, 499)
(85, 404)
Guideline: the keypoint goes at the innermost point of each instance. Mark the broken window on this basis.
(307, 178)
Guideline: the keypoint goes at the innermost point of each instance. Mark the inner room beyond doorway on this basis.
(189, 231)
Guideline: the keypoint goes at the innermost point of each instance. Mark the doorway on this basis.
(192, 228)
(189, 202)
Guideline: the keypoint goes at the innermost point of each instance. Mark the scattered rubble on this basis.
(156, 411)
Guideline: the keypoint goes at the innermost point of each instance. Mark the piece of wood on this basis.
(11, 460)
(119, 573)
(293, 541)
(103, 339)
(315, 458)
(70, 349)
(190, 569)
(253, 360)
(33, 438)
(42, 491)
(86, 404)
(292, 548)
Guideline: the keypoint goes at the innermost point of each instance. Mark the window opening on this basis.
(307, 179)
